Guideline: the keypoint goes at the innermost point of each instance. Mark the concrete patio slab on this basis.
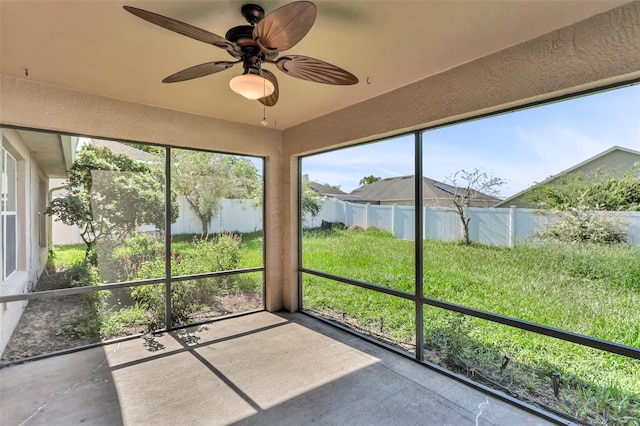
(258, 369)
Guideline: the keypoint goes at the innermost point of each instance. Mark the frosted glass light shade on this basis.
(251, 86)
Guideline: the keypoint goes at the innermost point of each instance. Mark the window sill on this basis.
(15, 284)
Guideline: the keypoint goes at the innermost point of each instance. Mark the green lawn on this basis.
(588, 290)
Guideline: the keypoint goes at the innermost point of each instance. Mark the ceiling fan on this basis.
(256, 44)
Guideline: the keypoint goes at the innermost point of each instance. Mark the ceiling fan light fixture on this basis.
(251, 86)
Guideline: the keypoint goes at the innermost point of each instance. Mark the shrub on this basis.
(125, 320)
(214, 253)
(451, 339)
(137, 253)
(82, 274)
(222, 253)
(582, 226)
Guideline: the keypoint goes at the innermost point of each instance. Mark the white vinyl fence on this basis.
(235, 215)
(500, 227)
(492, 226)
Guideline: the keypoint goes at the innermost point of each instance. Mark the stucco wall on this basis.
(31, 256)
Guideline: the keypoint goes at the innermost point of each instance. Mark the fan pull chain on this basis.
(264, 121)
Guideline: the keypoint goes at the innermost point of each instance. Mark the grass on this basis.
(585, 289)
(65, 256)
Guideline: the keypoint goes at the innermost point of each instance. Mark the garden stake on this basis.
(556, 384)
(505, 362)
(381, 324)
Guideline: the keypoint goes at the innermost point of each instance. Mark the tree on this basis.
(368, 180)
(151, 149)
(205, 178)
(600, 190)
(310, 200)
(109, 196)
(580, 197)
(467, 186)
(336, 187)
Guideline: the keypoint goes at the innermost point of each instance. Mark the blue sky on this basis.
(522, 147)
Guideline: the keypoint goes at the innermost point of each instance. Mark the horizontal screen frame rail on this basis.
(112, 286)
(593, 342)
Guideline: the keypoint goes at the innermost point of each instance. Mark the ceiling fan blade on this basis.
(182, 28)
(272, 98)
(199, 71)
(285, 27)
(315, 70)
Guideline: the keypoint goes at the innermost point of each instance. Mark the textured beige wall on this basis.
(602, 50)
(38, 106)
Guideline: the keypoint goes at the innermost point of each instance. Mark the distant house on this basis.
(400, 191)
(326, 191)
(615, 160)
(134, 153)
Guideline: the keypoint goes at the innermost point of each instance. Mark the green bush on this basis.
(82, 275)
(215, 253)
(137, 251)
(111, 313)
(220, 252)
(582, 226)
(142, 256)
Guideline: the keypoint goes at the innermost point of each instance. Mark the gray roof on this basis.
(338, 194)
(120, 148)
(403, 188)
(326, 189)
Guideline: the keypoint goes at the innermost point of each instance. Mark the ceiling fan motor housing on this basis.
(249, 52)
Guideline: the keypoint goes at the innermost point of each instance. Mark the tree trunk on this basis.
(465, 224)
(90, 255)
(205, 226)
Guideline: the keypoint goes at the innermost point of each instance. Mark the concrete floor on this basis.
(273, 369)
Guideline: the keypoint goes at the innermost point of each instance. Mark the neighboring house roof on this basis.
(326, 189)
(331, 192)
(402, 188)
(616, 160)
(120, 148)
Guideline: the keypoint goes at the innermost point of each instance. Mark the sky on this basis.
(522, 147)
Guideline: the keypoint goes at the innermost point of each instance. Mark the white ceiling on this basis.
(99, 48)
